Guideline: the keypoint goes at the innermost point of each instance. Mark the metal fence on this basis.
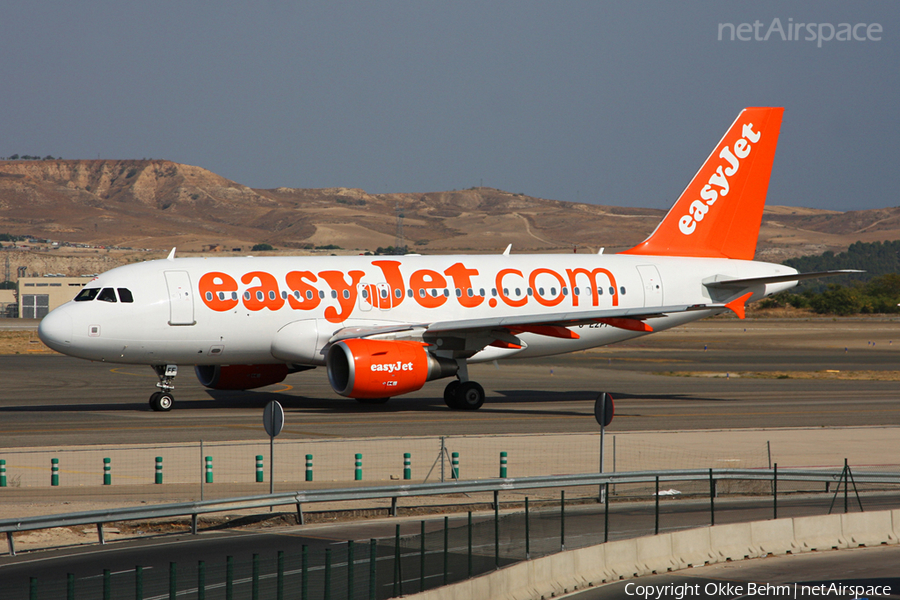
(434, 555)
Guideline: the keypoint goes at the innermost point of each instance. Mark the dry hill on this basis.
(159, 204)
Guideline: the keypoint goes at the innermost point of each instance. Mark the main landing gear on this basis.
(163, 400)
(464, 395)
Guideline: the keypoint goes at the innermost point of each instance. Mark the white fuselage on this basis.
(208, 311)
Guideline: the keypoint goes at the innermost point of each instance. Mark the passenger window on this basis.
(107, 295)
(622, 290)
(87, 294)
(612, 291)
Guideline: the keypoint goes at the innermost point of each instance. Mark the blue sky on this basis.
(603, 102)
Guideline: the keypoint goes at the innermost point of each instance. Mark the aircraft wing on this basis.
(625, 318)
(565, 319)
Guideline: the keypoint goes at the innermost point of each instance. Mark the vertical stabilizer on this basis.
(719, 213)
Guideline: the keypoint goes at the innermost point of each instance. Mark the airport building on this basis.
(36, 296)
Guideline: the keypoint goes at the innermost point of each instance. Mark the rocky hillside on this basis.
(159, 204)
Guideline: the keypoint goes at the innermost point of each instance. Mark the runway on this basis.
(55, 400)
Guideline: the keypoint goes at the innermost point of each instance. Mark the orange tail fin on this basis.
(719, 213)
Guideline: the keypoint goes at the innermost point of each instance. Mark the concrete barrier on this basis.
(868, 529)
(621, 559)
(654, 554)
(772, 537)
(567, 571)
(691, 548)
(818, 533)
(731, 542)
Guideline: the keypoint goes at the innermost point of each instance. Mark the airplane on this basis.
(383, 326)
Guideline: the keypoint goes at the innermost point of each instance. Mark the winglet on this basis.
(171, 255)
(506, 252)
(738, 305)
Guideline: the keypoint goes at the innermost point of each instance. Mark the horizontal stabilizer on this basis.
(739, 283)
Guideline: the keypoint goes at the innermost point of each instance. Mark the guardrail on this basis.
(298, 498)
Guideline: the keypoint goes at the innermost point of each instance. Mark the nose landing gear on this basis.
(163, 400)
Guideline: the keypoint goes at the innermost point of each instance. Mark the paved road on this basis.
(61, 400)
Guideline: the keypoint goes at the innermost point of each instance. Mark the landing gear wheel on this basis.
(373, 400)
(162, 401)
(469, 396)
(450, 394)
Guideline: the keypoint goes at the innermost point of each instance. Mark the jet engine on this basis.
(240, 377)
(365, 368)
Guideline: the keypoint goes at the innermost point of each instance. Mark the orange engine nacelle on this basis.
(364, 368)
(240, 377)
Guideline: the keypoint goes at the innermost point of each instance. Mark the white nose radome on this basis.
(55, 330)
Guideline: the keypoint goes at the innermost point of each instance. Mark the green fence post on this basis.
(259, 468)
(527, 533)
(2, 473)
(158, 469)
(309, 467)
(209, 471)
(32, 588)
(139, 583)
(421, 556)
(398, 575)
(503, 465)
(229, 578)
(373, 557)
(201, 580)
(455, 465)
(70, 586)
(407, 468)
(254, 578)
(304, 573)
(351, 575)
(327, 594)
(446, 548)
(469, 572)
(279, 584)
(173, 583)
(562, 520)
(357, 475)
(54, 471)
(107, 592)
(107, 471)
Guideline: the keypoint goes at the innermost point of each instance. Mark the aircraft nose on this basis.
(55, 330)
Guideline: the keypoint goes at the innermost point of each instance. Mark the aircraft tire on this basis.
(162, 401)
(469, 396)
(373, 400)
(450, 397)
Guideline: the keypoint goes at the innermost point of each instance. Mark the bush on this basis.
(261, 248)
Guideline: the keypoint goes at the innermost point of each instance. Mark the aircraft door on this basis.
(652, 283)
(364, 292)
(181, 298)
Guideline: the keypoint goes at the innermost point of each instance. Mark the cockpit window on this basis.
(107, 295)
(125, 295)
(87, 294)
